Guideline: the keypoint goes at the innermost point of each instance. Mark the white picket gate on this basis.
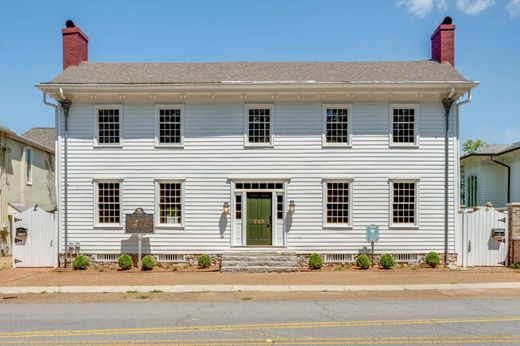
(35, 239)
(484, 237)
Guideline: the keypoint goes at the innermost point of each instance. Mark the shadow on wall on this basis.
(222, 224)
(129, 246)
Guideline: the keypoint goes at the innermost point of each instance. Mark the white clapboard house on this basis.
(249, 157)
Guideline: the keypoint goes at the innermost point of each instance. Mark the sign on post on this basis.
(372, 236)
(139, 223)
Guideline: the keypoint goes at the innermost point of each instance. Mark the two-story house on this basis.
(242, 156)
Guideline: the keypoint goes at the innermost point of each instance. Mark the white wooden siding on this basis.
(491, 181)
(214, 151)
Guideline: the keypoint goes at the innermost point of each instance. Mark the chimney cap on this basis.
(70, 24)
(447, 20)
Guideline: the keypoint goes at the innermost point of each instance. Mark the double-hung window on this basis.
(108, 125)
(337, 197)
(28, 166)
(404, 201)
(403, 122)
(169, 125)
(259, 125)
(169, 205)
(336, 125)
(108, 197)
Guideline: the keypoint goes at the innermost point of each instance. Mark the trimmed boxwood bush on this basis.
(204, 261)
(148, 262)
(432, 259)
(315, 261)
(125, 262)
(363, 262)
(516, 265)
(81, 262)
(387, 261)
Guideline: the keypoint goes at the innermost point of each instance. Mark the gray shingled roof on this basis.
(494, 149)
(42, 135)
(218, 72)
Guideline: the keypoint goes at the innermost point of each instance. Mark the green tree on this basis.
(472, 145)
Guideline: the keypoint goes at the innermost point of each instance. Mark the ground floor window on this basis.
(108, 202)
(404, 202)
(170, 202)
(337, 197)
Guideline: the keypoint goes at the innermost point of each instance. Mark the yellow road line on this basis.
(243, 327)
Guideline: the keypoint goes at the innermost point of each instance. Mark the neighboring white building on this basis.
(491, 175)
(26, 176)
(346, 144)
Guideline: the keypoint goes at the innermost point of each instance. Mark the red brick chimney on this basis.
(75, 45)
(443, 42)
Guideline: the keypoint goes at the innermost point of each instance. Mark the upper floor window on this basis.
(404, 202)
(472, 195)
(404, 125)
(259, 120)
(28, 166)
(337, 196)
(108, 120)
(169, 125)
(336, 129)
(109, 202)
(170, 202)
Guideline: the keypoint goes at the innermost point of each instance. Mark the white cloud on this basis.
(473, 7)
(512, 135)
(419, 8)
(513, 7)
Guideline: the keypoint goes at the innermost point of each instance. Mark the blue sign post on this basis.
(372, 236)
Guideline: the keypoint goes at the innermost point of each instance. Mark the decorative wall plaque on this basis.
(139, 222)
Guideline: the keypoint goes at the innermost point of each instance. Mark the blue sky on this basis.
(487, 43)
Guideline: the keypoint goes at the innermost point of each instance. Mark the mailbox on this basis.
(498, 233)
(20, 236)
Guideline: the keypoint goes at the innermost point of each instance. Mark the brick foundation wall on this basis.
(514, 232)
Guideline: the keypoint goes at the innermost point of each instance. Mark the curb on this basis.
(253, 288)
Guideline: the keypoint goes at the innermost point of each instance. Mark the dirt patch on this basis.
(5, 262)
(49, 277)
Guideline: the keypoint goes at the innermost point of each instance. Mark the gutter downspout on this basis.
(65, 105)
(492, 157)
(447, 103)
(57, 173)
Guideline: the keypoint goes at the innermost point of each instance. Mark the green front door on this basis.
(259, 218)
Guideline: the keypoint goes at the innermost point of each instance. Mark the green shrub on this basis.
(363, 262)
(125, 262)
(204, 261)
(432, 259)
(516, 265)
(81, 262)
(315, 261)
(148, 262)
(387, 261)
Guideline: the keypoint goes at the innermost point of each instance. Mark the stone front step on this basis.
(255, 261)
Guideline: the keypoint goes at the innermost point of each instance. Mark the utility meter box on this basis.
(498, 233)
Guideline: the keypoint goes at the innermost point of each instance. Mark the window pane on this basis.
(259, 125)
(170, 203)
(403, 204)
(403, 125)
(279, 207)
(338, 203)
(108, 126)
(170, 126)
(337, 125)
(238, 207)
(108, 203)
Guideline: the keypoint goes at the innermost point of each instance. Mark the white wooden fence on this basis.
(35, 239)
(483, 237)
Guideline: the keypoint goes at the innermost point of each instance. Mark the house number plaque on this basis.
(139, 222)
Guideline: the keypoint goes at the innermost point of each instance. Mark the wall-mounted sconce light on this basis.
(225, 209)
(292, 207)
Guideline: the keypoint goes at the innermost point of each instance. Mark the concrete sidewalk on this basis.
(254, 288)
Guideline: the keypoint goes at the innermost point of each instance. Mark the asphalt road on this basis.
(324, 322)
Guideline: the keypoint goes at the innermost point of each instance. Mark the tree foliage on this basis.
(473, 145)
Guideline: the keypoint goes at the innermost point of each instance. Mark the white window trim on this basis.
(96, 125)
(391, 108)
(325, 224)
(391, 223)
(249, 106)
(158, 107)
(28, 174)
(324, 142)
(96, 203)
(156, 204)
